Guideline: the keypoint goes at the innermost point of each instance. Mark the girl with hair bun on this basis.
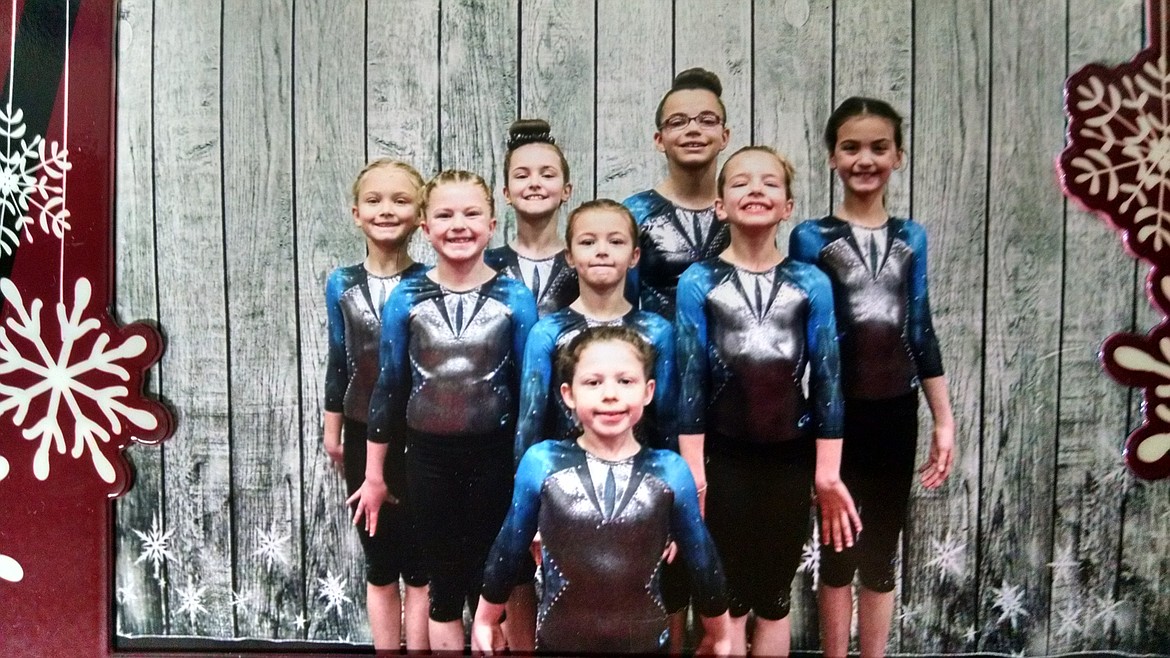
(536, 184)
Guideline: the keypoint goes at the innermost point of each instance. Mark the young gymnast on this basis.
(606, 508)
(750, 325)
(602, 239)
(677, 217)
(447, 391)
(536, 184)
(877, 264)
(385, 209)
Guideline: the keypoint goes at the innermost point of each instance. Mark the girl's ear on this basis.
(649, 397)
(720, 210)
(637, 255)
(567, 396)
(566, 192)
(354, 211)
(507, 195)
(658, 141)
(900, 161)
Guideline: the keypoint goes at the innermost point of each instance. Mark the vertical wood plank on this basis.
(139, 587)
(634, 70)
(189, 220)
(402, 90)
(949, 191)
(718, 37)
(260, 237)
(872, 40)
(1026, 226)
(792, 95)
(329, 148)
(557, 80)
(478, 65)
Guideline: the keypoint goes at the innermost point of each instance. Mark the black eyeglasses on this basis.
(706, 120)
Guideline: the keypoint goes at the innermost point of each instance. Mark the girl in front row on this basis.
(888, 350)
(602, 238)
(536, 184)
(750, 324)
(385, 208)
(447, 393)
(606, 508)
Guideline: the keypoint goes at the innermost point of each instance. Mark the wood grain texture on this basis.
(792, 96)
(329, 148)
(402, 90)
(949, 192)
(194, 370)
(872, 41)
(261, 298)
(557, 78)
(634, 70)
(139, 593)
(478, 92)
(718, 37)
(1025, 226)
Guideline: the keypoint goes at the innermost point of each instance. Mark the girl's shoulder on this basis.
(646, 204)
(346, 275)
(908, 229)
(500, 257)
(650, 321)
(668, 465)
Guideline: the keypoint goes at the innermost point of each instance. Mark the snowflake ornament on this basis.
(333, 592)
(48, 388)
(32, 182)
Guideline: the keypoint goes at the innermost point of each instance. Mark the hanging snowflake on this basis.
(76, 389)
(31, 183)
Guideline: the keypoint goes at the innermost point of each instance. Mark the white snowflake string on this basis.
(810, 556)
(191, 600)
(333, 591)
(155, 546)
(1133, 160)
(1010, 601)
(272, 547)
(31, 182)
(1068, 622)
(949, 556)
(62, 379)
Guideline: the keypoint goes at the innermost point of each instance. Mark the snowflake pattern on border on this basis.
(31, 182)
(77, 390)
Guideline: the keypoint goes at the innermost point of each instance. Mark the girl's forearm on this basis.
(939, 401)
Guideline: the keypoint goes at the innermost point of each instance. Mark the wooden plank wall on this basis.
(242, 122)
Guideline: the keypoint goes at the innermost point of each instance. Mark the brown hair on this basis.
(450, 176)
(856, 106)
(390, 163)
(523, 132)
(785, 164)
(600, 204)
(694, 78)
(570, 355)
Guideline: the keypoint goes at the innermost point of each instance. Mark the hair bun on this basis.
(529, 131)
(698, 78)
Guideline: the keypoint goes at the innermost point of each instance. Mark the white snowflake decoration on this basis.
(1010, 601)
(31, 182)
(272, 548)
(333, 591)
(1068, 622)
(1110, 611)
(191, 600)
(62, 379)
(908, 615)
(1133, 161)
(948, 557)
(810, 556)
(1065, 563)
(155, 546)
(242, 601)
(301, 622)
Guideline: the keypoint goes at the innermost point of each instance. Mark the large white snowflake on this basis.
(333, 591)
(66, 381)
(948, 557)
(272, 547)
(155, 546)
(810, 556)
(191, 600)
(1010, 601)
(32, 182)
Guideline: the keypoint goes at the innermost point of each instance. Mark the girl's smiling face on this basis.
(755, 190)
(609, 389)
(601, 248)
(696, 140)
(536, 185)
(458, 221)
(865, 154)
(386, 209)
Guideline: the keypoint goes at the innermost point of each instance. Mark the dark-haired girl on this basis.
(536, 184)
(877, 265)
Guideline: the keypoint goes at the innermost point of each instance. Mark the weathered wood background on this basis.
(242, 122)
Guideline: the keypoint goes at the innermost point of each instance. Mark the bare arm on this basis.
(690, 446)
(942, 444)
(333, 446)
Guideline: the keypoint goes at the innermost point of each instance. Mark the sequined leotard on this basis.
(543, 413)
(449, 385)
(551, 280)
(671, 238)
(604, 526)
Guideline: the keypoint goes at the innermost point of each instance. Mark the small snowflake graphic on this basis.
(1010, 601)
(191, 600)
(908, 615)
(1065, 564)
(333, 591)
(31, 182)
(1068, 622)
(970, 634)
(155, 545)
(1109, 612)
(810, 556)
(301, 622)
(70, 384)
(272, 547)
(948, 557)
(242, 601)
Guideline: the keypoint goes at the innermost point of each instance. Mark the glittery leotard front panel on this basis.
(557, 292)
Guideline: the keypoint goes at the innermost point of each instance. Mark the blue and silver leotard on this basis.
(604, 526)
(744, 340)
(543, 413)
(671, 239)
(883, 311)
(552, 282)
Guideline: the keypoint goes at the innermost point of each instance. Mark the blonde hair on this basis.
(568, 357)
(785, 164)
(450, 176)
(389, 163)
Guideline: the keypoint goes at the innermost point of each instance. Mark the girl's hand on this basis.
(942, 456)
(702, 489)
(840, 522)
(486, 639)
(336, 451)
(534, 548)
(716, 636)
(670, 552)
(369, 498)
